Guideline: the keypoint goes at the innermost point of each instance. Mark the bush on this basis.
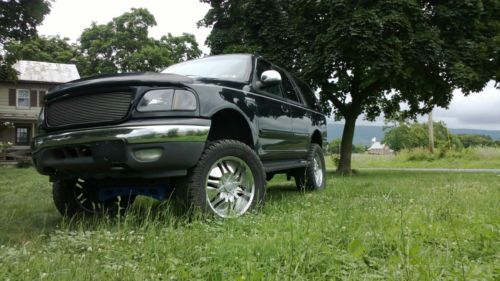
(335, 159)
(471, 153)
(416, 154)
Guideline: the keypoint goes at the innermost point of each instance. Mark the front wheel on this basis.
(228, 181)
(313, 176)
(80, 197)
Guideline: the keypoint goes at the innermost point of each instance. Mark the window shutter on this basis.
(33, 98)
(12, 97)
(41, 94)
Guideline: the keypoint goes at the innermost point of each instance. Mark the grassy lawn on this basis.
(469, 158)
(374, 226)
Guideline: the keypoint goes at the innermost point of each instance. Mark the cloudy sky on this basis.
(68, 18)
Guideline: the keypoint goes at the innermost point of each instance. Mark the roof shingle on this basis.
(48, 72)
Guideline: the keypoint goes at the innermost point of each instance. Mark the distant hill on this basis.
(364, 134)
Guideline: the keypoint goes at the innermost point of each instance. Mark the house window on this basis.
(23, 98)
(22, 136)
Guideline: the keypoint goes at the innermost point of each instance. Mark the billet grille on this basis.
(88, 109)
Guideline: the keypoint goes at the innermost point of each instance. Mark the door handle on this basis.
(285, 108)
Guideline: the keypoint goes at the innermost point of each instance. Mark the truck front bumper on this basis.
(143, 149)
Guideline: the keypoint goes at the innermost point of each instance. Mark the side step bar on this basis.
(273, 166)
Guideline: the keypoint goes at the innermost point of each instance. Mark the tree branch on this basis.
(336, 102)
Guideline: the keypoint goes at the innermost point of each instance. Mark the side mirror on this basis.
(270, 77)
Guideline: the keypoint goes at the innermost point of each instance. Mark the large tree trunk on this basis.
(346, 146)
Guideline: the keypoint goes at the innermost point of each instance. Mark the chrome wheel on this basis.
(230, 187)
(86, 197)
(318, 170)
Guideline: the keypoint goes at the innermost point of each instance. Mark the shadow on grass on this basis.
(279, 188)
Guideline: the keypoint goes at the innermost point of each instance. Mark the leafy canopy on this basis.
(414, 135)
(471, 140)
(48, 49)
(124, 45)
(19, 18)
(368, 56)
(18, 21)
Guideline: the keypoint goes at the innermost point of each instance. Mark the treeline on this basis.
(410, 135)
(121, 45)
(334, 147)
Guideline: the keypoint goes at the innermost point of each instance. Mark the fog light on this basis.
(148, 154)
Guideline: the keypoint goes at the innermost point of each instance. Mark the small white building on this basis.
(379, 148)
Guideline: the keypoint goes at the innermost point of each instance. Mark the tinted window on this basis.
(226, 67)
(288, 89)
(307, 94)
(262, 66)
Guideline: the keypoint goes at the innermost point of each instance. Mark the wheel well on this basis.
(316, 138)
(230, 124)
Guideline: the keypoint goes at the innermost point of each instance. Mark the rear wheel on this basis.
(80, 197)
(228, 181)
(313, 176)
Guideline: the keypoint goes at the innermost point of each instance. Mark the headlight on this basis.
(167, 99)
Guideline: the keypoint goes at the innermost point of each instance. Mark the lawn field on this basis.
(373, 226)
(471, 158)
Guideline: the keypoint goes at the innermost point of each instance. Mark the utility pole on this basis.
(430, 125)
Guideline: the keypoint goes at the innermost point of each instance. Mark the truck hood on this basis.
(125, 79)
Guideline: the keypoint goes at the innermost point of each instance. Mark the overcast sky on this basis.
(68, 18)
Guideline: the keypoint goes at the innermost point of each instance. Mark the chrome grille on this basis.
(88, 108)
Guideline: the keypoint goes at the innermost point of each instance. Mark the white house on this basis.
(379, 148)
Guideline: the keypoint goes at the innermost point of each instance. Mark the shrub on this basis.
(335, 159)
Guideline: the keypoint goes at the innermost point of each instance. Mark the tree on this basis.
(368, 57)
(48, 49)
(469, 140)
(18, 21)
(414, 135)
(123, 45)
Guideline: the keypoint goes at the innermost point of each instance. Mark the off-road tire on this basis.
(305, 178)
(190, 191)
(77, 197)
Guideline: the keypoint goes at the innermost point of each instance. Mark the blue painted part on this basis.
(157, 192)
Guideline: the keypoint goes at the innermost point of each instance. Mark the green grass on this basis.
(481, 157)
(374, 226)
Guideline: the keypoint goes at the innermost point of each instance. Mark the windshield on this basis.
(226, 67)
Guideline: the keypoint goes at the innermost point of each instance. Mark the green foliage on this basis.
(334, 147)
(20, 18)
(123, 45)
(40, 48)
(368, 56)
(18, 21)
(469, 140)
(414, 135)
(377, 226)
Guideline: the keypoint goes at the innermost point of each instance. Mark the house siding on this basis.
(37, 78)
(20, 117)
(13, 112)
